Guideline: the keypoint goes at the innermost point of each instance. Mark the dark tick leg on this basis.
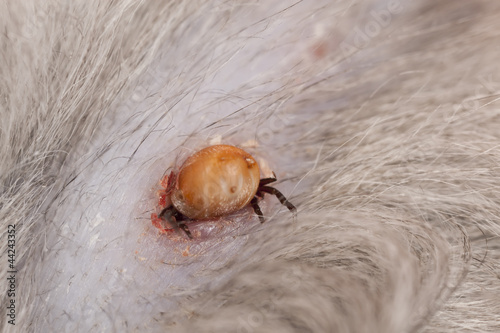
(265, 181)
(280, 196)
(179, 218)
(185, 228)
(256, 208)
(175, 218)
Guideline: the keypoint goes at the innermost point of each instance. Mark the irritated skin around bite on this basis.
(216, 181)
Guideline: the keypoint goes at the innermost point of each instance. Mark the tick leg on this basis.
(256, 208)
(185, 228)
(265, 181)
(269, 180)
(179, 218)
(175, 219)
(280, 196)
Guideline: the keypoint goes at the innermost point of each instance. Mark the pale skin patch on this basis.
(264, 168)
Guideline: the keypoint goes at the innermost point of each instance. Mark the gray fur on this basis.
(380, 118)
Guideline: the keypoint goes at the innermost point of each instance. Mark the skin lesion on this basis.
(159, 224)
(167, 183)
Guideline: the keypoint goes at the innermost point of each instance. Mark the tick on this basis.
(213, 182)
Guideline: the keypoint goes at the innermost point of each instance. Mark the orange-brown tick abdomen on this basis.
(216, 181)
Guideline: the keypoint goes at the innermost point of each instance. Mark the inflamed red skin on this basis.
(213, 182)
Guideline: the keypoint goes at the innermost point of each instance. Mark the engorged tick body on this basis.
(216, 181)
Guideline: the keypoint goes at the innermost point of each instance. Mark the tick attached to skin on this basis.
(215, 181)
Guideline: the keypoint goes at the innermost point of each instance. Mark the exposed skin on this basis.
(380, 119)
